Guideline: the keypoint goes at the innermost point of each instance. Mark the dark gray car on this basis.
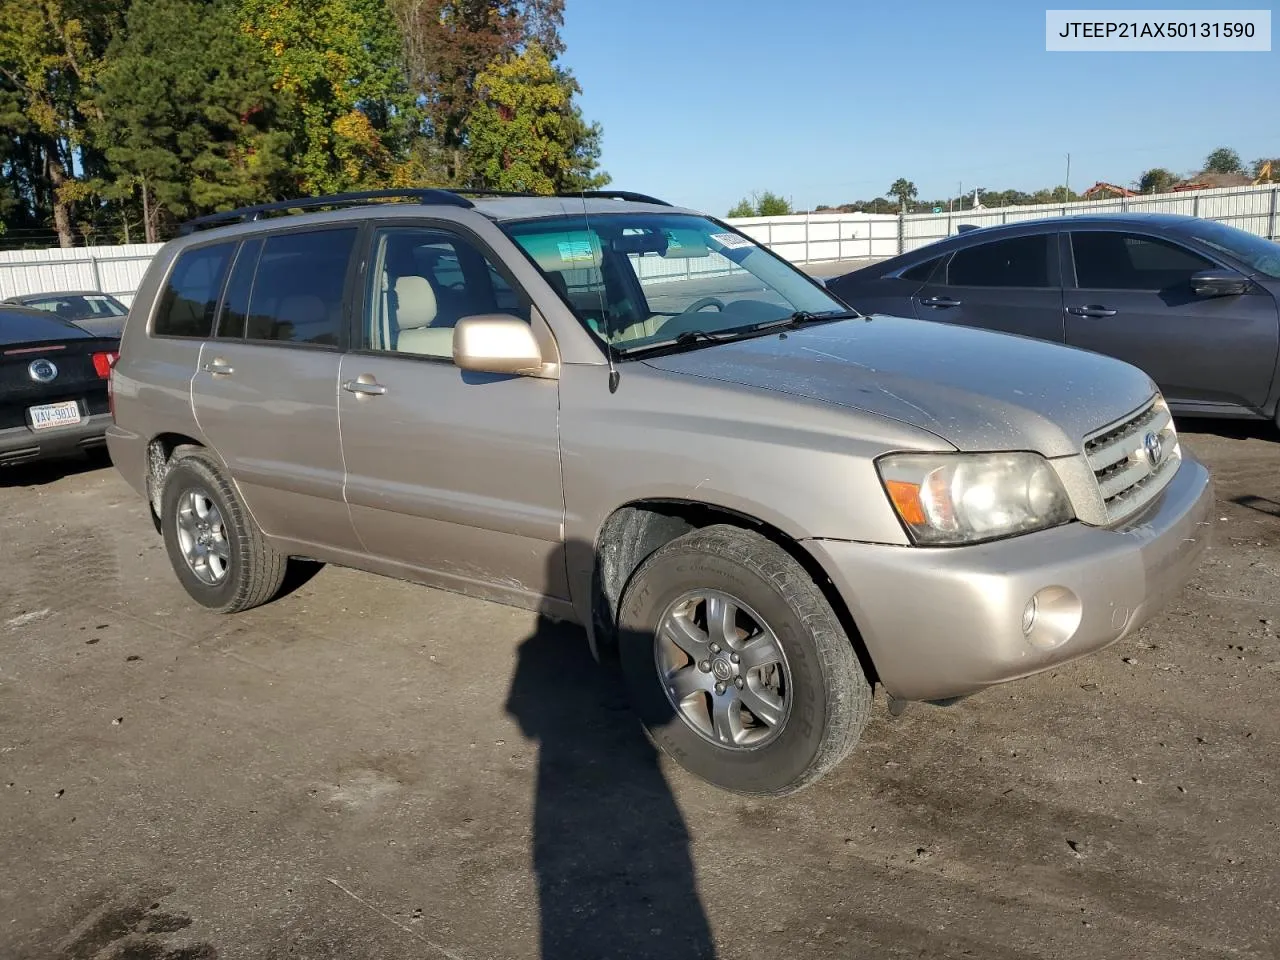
(1192, 302)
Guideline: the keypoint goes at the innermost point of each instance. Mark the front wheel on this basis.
(738, 666)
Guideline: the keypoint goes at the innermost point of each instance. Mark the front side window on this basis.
(297, 290)
(191, 294)
(424, 280)
(1017, 262)
(1126, 261)
(640, 280)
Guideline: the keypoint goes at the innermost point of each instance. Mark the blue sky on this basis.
(705, 101)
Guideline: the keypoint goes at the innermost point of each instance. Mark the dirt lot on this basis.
(368, 769)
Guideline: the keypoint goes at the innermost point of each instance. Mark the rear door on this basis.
(265, 390)
(449, 473)
(1129, 296)
(1009, 284)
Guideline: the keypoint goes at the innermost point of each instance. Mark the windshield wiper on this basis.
(689, 338)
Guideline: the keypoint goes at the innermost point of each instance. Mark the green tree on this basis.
(341, 63)
(189, 113)
(904, 190)
(526, 132)
(769, 204)
(1223, 160)
(49, 52)
(1156, 180)
(743, 208)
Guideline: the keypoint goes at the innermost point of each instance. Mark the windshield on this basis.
(1262, 255)
(640, 280)
(78, 307)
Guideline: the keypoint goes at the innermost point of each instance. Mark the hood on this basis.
(976, 389)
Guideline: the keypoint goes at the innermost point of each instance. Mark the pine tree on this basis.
(190, 122)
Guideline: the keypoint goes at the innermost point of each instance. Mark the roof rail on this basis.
(574, 195)
(313, 203)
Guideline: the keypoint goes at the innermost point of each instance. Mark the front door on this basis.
(1009, 285)
(265, 390)
(450, 473)
(1132, 299)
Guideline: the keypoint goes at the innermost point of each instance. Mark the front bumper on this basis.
(22, 444)
(945, 622)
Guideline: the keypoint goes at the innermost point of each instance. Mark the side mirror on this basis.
(1219, 283)
(496, 343)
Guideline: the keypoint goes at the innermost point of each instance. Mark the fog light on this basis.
(1029, 616)
(1051, 617)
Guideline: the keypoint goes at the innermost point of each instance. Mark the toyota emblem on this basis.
(42, 371)
(1153, 447)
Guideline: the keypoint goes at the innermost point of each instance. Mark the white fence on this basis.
(800, 238)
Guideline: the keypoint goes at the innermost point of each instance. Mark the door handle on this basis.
(940, 302)
(219, 367)
(364, 386)
(1091, 311)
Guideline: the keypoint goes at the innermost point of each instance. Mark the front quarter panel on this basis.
(803, 467)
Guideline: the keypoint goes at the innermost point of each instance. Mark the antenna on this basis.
(614, 376)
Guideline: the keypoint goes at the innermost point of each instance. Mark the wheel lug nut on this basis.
(719, 688)
(734, 657)
(705, 666)
(715, 648)
(739, 682)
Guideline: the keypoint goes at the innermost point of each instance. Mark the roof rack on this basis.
(629, 195)
(313, 203)
(453, 198)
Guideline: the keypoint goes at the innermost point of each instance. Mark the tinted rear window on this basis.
(235, 305)
(921, 271)
(297, 291)
(191, 295)
(1017, 262)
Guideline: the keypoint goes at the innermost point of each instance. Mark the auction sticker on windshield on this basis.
(731, 241)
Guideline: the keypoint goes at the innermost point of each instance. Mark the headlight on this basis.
(953, 498)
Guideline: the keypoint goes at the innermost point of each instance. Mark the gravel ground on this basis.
(369, 769)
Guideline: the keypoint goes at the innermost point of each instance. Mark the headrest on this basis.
(415, 303)
(563, 250)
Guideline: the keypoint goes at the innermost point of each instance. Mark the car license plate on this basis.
(55, 415)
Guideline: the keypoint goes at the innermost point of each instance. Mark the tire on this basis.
(241, 569)
(813, 688)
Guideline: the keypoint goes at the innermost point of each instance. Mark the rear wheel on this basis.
(219, 554)
(738, 666)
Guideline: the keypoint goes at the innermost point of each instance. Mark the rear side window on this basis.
(1017, 262)
(1126, 261)
(297, 292)
(235, 305)
(191, 295)
(922, 271)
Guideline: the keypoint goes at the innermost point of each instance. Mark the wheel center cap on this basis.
(721, 668)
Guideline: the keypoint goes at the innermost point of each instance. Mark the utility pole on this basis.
(1067, 185)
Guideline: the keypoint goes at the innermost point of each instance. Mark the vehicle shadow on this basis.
(1230, 428)
(41, 472)
(1263, 505)
(610, 847)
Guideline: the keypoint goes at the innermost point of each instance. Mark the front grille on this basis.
(1134, 460)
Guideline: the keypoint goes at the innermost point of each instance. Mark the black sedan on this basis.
(1192, 302)
(53, 386)
(98, 313)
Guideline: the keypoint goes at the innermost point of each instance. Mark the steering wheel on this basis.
(702, 304)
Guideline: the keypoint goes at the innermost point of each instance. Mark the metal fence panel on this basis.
(800, 238)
